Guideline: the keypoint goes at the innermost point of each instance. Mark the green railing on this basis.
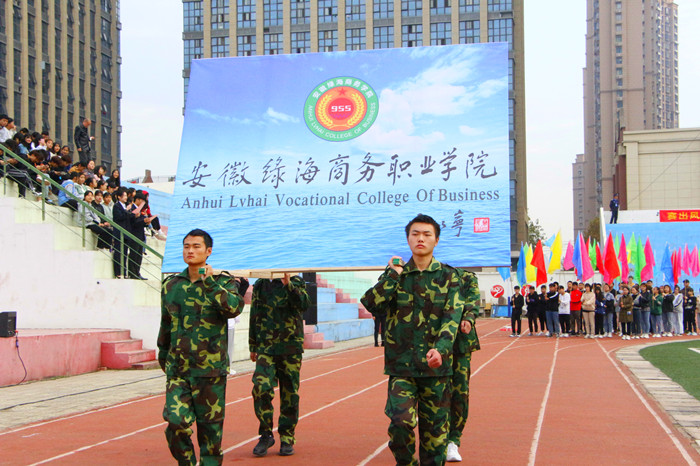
(153, 281)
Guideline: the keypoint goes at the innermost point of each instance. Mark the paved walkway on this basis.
(48, 399)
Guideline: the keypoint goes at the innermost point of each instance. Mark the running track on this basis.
(534, 400)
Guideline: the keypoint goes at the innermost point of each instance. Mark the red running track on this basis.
(534, 400)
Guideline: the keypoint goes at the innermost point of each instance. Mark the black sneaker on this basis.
(265, 442)
(286, 449)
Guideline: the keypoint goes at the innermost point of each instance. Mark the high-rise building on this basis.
(630, 82)
(59, 63)
(221, 28)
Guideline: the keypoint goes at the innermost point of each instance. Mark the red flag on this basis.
(624, 268)
(612, 268)
(676, 262)
(538, 262)
(685, 263)
(599, 260)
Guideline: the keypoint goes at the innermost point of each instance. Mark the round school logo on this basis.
(341, 109)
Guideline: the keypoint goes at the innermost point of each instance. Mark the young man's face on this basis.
(194, 251)
(422, 239)
(581, 287)
(122, 198)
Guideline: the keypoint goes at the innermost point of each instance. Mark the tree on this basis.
(593, 230)
(535, 232)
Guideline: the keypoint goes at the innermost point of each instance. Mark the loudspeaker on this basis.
(8, 324)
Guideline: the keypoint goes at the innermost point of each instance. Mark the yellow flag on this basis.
(555, 261)
(530, 270)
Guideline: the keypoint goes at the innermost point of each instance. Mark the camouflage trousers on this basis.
(269, 369)
(459, 405)
(424, 401)
(190, 399)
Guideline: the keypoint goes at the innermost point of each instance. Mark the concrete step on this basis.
(309, 329)
(325, 295)
(122, 354)
(342, 330)
(147, 365)
(312, 338)
(363, 313)
(119, 346)
(328, 312)
(341, 297)
(320, 345)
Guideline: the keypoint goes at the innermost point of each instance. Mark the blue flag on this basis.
(521, 266)
(577, 259)
(666, 268)
(550, 241)
(504, 272)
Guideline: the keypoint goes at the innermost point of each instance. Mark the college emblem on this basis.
(341, 109)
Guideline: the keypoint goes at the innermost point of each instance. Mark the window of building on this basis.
(355, 39)
(618, 28)
(618, 38)
(500, 5)
(469, 6)
(383, 37)
(511, 154)
(411, 8)
(17, 23)
(193, 51)
(106, 69)
(3, 60)
(327, 41)
(618, 49)
(246, 45)
(355, 10)
(17, 66)
(383, 9)
(31, 112)
(501, 30)
(58, 79)
(245, 13)
(272, 44)
(469, 32)
(219, 47)
(619, 104)
(31, 37)
(618, 60)
(193, 15)
(272, 12)
(511, 73)
(440, 7)
(327, 11)
(105, 33)
(17, 114)
(106, 6)
(3, 19)
(412, 35)
(511, 115)
(618, 17)
(618, 82)
(301, 11)
(31, 65)
(57, 12)
(106, 107)
(301, 42)
(440, 33)
(69, 88)
(219, 14)
(106, 142)
(618, 71)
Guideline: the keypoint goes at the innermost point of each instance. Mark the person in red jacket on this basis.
(576, 293)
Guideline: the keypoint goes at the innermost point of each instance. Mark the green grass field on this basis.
(678, 362)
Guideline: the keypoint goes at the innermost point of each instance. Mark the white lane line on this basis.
(340, 400)
(543, 407)
(162, 424)
(385, 445)
(664, 427)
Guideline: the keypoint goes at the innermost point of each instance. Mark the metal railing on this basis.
(119, 234)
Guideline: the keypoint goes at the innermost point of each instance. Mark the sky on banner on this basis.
(319, 160)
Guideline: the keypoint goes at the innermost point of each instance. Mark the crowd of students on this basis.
(630, 310)
(126, 207)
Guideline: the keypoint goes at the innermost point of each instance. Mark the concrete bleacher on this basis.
(340, 316)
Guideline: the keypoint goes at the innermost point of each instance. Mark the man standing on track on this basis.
(276, 339)
(466, 342)
(424, 306)
(192, 350)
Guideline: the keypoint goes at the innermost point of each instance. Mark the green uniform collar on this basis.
(432, 267)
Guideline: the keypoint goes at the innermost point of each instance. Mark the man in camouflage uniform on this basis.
(466, 342)
(276, 339)
(424, 308)
(192, 350)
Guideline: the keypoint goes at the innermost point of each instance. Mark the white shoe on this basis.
(565, 335)
(646, 335)
(453, 455)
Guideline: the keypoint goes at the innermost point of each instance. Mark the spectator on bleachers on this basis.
(56, 150)
(26, 145)
(100, 172)
(112, 190)
(108, 205)
(6, 126)
(20, 174)
(89, 169)
(101, 185)
(114, 178)
(65, 150)
(64, 200)
(91, 183)
(87, 218)
(80, 188)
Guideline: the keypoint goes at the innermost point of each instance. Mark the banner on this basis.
(679, 215)
(320, 160)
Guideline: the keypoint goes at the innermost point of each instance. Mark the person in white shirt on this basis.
(564, 311)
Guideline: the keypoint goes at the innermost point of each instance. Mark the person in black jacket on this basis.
(82, 141)
(533, 310)
(551, 303)
(139, 220)
(518, 303)
(120, 217)
(542, 311)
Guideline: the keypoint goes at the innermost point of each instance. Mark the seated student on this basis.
(87, 218)
(69, 199)
(108, 206)
(21, 174)
(80, 187)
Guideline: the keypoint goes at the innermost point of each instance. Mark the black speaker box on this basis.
(8, 324)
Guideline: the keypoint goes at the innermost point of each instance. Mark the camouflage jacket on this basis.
(468, 342)
(276, 316)
(193, 337)
(423, 312)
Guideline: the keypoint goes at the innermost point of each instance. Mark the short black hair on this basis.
(516, 287)
(420, 218)
(208, 241)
